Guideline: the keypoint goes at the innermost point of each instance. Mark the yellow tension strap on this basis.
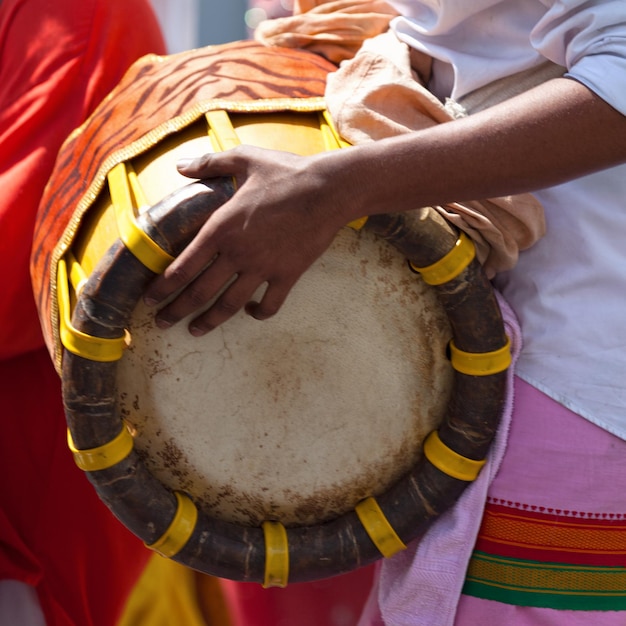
(134, 238)
(450, 462)
(481, 363)
(221, 130)
(451, 265)
(180, 530)
(378, 527)
(79, 343)
(358, 223)
(77, 274)
(332, 139)
(135, 187)
(103, 457)
(222, 133)
(276, 555)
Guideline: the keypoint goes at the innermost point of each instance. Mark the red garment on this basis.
(337, 601)
(57, 61)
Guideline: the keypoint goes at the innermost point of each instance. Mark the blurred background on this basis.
(194, 23)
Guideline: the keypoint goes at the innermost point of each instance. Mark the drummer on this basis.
(564, 140)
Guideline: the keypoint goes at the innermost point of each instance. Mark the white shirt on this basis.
(569, 290)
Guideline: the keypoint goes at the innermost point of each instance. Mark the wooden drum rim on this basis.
(274, 556)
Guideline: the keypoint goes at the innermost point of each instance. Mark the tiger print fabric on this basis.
(157, 97)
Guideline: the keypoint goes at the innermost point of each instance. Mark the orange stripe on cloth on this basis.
(550, 559)
(554, 536)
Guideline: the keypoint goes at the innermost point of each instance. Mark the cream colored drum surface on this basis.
(300, 417)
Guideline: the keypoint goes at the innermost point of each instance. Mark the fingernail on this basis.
(183, 164)
(162, 323)
(150, 302)
(196, 331)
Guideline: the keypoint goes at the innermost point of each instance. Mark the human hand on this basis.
(276, 225)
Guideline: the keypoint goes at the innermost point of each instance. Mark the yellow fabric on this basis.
(167, 595)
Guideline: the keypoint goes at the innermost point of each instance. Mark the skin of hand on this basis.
(287, 208)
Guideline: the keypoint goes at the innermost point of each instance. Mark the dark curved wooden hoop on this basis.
(146, 507)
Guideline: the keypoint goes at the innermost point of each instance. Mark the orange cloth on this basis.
(59, 59)
(334, 29)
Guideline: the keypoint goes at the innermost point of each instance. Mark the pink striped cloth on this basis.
(421, 586)
(570, 469)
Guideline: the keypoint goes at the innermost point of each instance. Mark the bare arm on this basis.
(553, 133)
(288, 209)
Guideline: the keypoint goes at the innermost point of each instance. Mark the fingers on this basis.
(211, 165)
(236, 296)
(182, 271)
(232, 300)
(253, 239)
(273, 299)
(194, 168)
(220, 285)
(197, 291)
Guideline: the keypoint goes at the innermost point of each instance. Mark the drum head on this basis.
(302, 416)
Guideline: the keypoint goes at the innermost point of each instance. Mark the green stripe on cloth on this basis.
(546, 585)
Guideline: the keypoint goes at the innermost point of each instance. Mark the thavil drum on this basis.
(293, 449)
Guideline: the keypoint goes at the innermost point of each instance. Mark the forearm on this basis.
(553, 133)
(288, 209)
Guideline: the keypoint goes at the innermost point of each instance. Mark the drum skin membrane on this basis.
(300, 417)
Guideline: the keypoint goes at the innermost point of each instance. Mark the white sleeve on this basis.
(589, 39)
